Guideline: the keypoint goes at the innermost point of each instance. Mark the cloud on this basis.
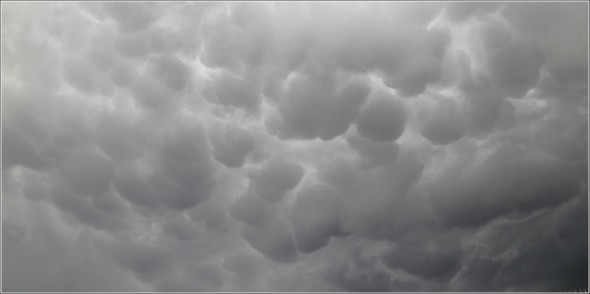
(254, 35)
(86, 171)
(118, 136)
(344, 108)
(235, 91)
(242, 263)
(272, 238)
(426, 260)
(184, 177)
(414, 75)
(50, 245)
(514, 67)
(505, 181)
(555, 37)
(276, 178)
(130, 17)
(244, 268)
(171, 71)
(302, 107)
(377, 198)
(445, 126)
(382, 119)
(356, 40)
(316, 215)
(206, 277)
(359, 276)
(80, 75)
(294, 146)
(311, 108)
(218, 40)
(144, 260)
(19, 149)
(151, 94)
(373, 154)
(461, 11)
(131, 183)
(83, 210)
(535, 252)
(232, 145)
(136, 45)
(251, 210)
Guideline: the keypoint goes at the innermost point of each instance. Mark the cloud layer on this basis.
(295, 146)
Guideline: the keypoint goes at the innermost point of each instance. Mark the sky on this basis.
(294, 146)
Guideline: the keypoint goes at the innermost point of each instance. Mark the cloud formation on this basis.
(259, 147)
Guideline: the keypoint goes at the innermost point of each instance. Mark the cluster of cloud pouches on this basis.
(294, 146)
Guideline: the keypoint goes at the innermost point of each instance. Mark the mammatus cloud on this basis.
(382, 119)
(294, 146)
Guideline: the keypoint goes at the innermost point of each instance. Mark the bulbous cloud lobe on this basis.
(382, 119)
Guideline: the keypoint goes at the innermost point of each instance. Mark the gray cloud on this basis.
(506, 181)
(302, 108)
(86, 171)
(232, 145)
(445, 125)
(373, 154)
(146, 261)
(382, 119)
(294, 146)
(424, 258)
(272, 238)
(316, 216)
(206, 277)
(131, 17)
(235, 91)
(276, 178)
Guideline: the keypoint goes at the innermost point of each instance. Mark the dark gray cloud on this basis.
(359, 274)
(403, 146)
(507, 180)
(515, 265)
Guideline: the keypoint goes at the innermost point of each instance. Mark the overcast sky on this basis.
(345, 146)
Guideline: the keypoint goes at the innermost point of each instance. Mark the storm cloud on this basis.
(287, 146)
